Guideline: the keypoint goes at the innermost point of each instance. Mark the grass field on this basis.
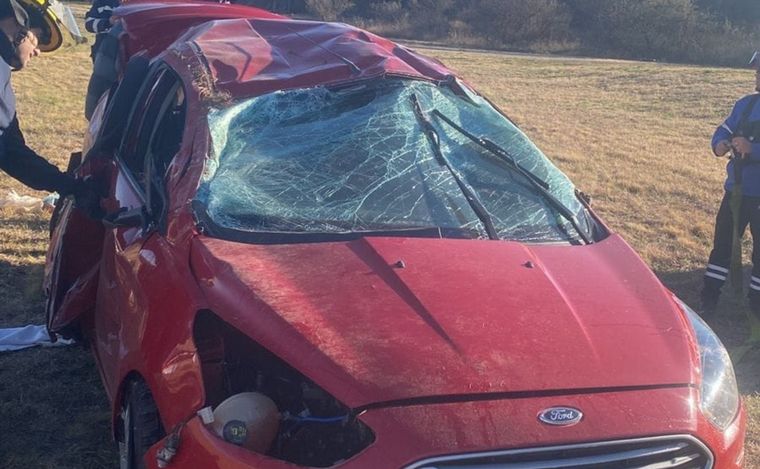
(633, 135)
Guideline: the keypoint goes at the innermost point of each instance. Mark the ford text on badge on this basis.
(560, 416)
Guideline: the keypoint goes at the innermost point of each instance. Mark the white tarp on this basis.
(17, 338)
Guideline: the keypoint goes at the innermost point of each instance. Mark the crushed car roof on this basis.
(250, 51)
(256, 56)
(152, 26)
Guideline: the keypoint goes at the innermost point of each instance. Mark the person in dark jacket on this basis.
(98, 20)
(739, 135)
(105, 71)
(24, 31)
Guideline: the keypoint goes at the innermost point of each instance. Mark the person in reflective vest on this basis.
(738, 135)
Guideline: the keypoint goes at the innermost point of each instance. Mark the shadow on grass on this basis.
(53, 411)
(730, 322)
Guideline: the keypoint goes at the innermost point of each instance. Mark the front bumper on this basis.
(405, 435)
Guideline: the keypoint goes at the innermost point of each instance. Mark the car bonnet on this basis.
(384, 319)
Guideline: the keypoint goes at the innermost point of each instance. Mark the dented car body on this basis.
(370, 259)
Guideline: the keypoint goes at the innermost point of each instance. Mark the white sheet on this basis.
(17, 338)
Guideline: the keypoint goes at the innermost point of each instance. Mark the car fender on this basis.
(157, 346)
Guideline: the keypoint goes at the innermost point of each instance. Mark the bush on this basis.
(280, 6)
(329, 10)
(674, 30)
(517, 22)
(721, 43)
(737, 12)
(430, 19)
(386, 10)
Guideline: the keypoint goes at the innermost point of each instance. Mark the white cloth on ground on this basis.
(17, 338)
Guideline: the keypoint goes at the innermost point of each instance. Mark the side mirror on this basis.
(124, 218)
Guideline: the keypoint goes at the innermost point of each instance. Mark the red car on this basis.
(323, 249)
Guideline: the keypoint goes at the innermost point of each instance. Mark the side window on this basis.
(154, 135)
(142, 121)
(164, 143)
(167, 134)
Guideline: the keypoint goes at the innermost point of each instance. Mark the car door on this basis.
(137, 263)
(74, 253)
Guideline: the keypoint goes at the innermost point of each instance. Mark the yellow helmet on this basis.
(56, 20)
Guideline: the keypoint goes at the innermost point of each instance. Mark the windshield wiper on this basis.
(469, 192)
(539, 184)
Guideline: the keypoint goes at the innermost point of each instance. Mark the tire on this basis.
(140, 426)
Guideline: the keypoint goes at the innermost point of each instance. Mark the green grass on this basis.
(633, 135)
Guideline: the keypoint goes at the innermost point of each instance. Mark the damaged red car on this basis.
(322, 249)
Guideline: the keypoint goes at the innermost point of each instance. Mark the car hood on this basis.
(388, 319)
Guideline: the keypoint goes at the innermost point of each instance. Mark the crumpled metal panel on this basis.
(248, 57)
(152, 26)
(356, 159)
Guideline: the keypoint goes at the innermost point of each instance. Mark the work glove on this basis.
(87, 197)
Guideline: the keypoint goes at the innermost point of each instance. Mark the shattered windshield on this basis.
(357, 159)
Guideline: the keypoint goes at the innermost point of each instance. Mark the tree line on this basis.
(720, 32)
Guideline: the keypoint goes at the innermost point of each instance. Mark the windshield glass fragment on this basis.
(356, 159)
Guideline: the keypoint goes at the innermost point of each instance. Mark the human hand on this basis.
(723, 147)
(741, 146)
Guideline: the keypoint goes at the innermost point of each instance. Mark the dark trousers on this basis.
(720, 257)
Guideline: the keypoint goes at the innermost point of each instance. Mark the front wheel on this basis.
(140, 426)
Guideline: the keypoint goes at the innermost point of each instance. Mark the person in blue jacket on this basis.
(23, 31)
(738, 135)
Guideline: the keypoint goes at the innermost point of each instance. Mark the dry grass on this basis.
(634, 135)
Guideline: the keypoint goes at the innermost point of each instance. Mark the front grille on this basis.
(679, 452)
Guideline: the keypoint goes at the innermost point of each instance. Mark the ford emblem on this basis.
(560, 416)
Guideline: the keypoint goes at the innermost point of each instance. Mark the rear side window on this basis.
(167, 133)
(153, 137)
(143, 120)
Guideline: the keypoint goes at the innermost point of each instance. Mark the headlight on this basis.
(719, 396)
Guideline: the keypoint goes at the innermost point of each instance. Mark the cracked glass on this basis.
(356, 158)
